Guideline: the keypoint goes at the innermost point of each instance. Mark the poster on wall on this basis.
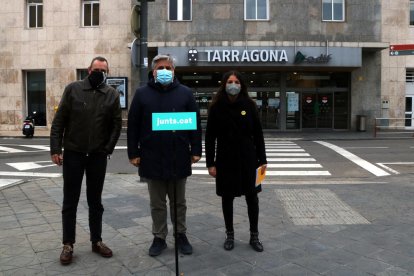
(120, 84)
(292, 101)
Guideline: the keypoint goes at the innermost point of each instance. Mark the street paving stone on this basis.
(346, 229)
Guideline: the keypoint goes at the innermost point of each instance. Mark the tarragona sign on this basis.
(246, 56)
(277, 56)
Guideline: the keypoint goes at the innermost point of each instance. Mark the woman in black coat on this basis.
(235, 148)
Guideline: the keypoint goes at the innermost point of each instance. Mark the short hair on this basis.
(102, 59)
(159, 57)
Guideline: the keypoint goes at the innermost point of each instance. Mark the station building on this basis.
(309, 65)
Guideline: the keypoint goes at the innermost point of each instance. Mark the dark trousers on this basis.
(158, 191)
(75, 165)
(252, 211)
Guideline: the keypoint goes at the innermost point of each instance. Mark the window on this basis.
(179, 10)
(333, 10)
(36, 95)
(35, 13)
(90, 13)
(256, 9)
(411, 12)
(81, 73)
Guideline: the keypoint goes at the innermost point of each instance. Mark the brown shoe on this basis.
(66, 255)
(102, 249)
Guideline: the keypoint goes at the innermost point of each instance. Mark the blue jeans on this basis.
(75, 165)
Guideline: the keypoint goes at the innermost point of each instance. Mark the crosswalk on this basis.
(285, 158)
(11, 148)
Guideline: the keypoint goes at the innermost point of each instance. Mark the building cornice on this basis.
(267, 43)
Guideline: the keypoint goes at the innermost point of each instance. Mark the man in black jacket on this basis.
(87, 125)
(164, 158)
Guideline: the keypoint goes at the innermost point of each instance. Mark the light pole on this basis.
(143, 59)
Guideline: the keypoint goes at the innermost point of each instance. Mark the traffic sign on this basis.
(402, 50)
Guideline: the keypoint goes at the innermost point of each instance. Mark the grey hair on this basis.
(163, 57)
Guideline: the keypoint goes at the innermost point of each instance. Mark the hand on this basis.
(135, 161)
(263, 168)
(195, 159)
(57, 159)
(212, 171)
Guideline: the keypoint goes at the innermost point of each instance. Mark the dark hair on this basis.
(102, 59)
(221, 93)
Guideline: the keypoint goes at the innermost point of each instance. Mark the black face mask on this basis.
(97, 78)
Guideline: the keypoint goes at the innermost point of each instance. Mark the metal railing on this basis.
(393, 126)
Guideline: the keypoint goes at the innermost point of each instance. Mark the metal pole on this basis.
(143, 59)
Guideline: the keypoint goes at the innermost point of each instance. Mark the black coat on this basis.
(88, 120)
(165, 155)
(236, 131)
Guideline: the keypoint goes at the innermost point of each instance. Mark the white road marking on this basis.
(301, 165)
(388, 168)
(32, 174)
(284, 150)
(282, 147)
(291, 160)
(43, 148)
(23, 166)
(297, 173)
(10, 150)
(357, 160)
(202, 172)
(394, 163)
(366, 147)
(273, 154)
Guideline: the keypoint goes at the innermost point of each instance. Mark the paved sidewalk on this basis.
(364, 227)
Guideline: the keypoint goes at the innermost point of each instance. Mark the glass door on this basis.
(341, 110)
(317, 110)
(268, 104)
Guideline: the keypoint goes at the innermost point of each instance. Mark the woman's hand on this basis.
(195, 159)
(212, 171)
(135, 161)
(263, 168)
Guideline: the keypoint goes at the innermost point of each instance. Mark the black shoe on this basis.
(255, 242)
(229, 242)
(183, 245)
(157, 246)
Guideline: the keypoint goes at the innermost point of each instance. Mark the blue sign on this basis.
(174, 121)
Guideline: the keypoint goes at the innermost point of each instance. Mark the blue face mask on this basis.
(164, 76)
(233, 89)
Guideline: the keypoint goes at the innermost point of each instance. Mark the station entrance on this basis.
(285, 100)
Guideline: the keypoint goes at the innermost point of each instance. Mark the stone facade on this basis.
(395, 30)
(62, 45)
(59, 48)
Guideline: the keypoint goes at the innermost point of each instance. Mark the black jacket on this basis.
(87, 120)
(234, 127)
(165, 155)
